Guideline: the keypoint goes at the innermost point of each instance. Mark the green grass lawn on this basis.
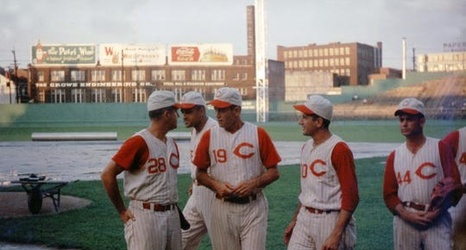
(99, 227)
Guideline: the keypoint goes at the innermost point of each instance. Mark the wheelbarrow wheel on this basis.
(34, 202)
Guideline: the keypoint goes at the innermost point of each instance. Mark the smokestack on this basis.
(403, 69)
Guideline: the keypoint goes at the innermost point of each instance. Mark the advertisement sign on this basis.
(131, 55)
(62, 55)
(201, 54)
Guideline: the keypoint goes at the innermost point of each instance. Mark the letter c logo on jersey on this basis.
(426, 170)
(244, 150)
(313, 167)
(174, 161)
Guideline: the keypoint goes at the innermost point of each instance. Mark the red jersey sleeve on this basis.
(452, 140)
(390, 184)
(450, 169)
(268, 152)
(201, 157)
(132, 154)
(343, 162)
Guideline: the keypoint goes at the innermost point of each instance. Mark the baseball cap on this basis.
(225, 97)
(191, 99)
(161, 99)
(316, 104)
(410, 106)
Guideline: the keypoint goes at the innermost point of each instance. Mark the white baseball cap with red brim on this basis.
(410, 106)
(161, 99)
(225, 97)
(191, 99)
(318, 105)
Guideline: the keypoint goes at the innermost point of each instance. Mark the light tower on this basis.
(262, 86)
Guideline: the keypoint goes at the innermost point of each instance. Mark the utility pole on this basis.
(16, 78)
(122, 77)
(262, 86)
(414, 59)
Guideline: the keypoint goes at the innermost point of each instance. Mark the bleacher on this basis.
(443, 98)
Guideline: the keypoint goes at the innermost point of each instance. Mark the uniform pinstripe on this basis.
(159, 176)
(197, 208)
(457, 140)
(415, 176)
(236, 157)
(320, 189)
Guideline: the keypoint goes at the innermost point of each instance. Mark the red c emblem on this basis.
(312, 167)
(420, 171)
(244, 150)
(174, 161)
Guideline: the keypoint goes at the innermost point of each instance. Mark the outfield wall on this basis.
(135, 114)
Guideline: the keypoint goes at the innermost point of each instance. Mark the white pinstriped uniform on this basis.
(417, 176)
(320, 189)
(237, 226)
(197, 208)
(160, 186)
(458, 212)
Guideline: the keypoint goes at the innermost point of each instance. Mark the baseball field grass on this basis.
(99, 227)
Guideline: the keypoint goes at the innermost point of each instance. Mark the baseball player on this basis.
(197, 209)
(412, 171)
(149, 160)
(457, 141)
(242, 160)
(329, 190)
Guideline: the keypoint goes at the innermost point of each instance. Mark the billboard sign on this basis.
(201, 54)
(131, 55)
(62, 55)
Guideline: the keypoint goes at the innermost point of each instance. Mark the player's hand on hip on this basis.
(289, 232)
(127, 215)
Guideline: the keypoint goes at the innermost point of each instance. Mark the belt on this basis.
(417, 206)
(319, 211)
(240, 200)
(157, 207)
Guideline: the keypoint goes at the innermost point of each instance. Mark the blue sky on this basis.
(426, 24)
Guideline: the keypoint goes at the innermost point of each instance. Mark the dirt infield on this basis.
(14, 204)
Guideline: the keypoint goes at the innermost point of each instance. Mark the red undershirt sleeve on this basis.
(390, 184)
(132, 154)
(343, 162)
(201, 157)
(268, 152)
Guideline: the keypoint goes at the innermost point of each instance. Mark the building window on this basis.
(347, 61)
(178, 75)
(236, 76)
(138, 75)
(198, 75)
(58, 95)
(158, 74)
(78, 75)
(98, 95)
(57, 75)
(347, 51)
(77, 95)
(331, 51)
(217, 74)
(40, 76)
(243, 91)
(116, 75)
(97, 75)
(139, 95)
(244, 76)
